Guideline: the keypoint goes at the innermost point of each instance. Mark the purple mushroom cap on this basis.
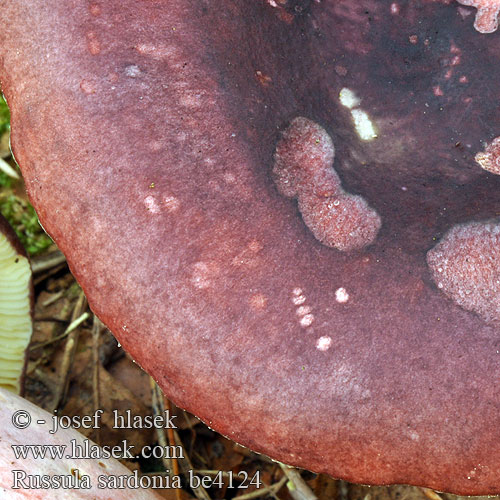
(278, 209)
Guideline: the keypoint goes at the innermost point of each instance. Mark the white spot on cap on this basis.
(414, 435)
(229, 178)
(157, 51)
(341, 295)
(171, 203)
(87, 87)
(299, 300)
(307, 320)
(151, 204)
(303, 310)
(202, 274)
(323, 343)
(363, 124)
(348, 98)
(93, 44)
(255, 246)
(258, 301)
(132, 71)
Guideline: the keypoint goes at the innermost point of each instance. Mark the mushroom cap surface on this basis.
(150, 136)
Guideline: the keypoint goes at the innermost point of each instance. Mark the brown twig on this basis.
(53, 298)
(186, 465)
(7, 169)
(171, 465)
(71, 327)
(267, 490)
(43, 276)
(171, 438)
(343, 490)
(96, 394)
(69, 352)
(184, 462)
(298, 488)
(159, 409)
(431, 494)
(50, 319)
(47, 261)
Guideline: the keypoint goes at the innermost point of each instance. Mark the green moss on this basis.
(4, 116)
(22, 217)
(20, 214)
(5, 180)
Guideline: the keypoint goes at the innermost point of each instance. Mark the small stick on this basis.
(69, 350)
(158, 409)
(40, 278)
(47, 261)
(96, 395)
(297, 487)
(343, 491)
(171, 465)
(171, 438)
(7, 169)
(50, 319)
(66, 332)
(75, 323)
(268, 490)
(53, 298)
(72, 326)
(431, 494)
(185, 463)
